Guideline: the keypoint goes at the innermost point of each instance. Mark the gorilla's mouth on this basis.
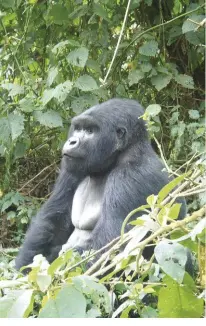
(71, 156)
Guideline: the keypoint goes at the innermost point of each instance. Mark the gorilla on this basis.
(108, 169)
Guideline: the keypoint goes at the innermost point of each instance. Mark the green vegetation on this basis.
(58, 58)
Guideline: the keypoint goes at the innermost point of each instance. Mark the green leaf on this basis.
(146, 67)
(149, 49)
(195, 38)
(53, 72)
(189, 26)
(172, 258)
(185, 80)
(43, 281)
(151, 200)
(59, 46)
(16, 304)
(59, 14)
(2, 150)
(16, 122)
(178, 301)
(153, 110)
(59, 262)
(8, 3)
(80, 103)
(96, 291)
(47, 95)
(135, 76)
(6, 205)
(27, 105)
(5, 130)
(148, 2)
(14, 89)
(160, 81)
(69, 303)
(100, 11)
(21, 147)
(174, 33)
(78, 57)
(174, 211)
(50, 118)
(148, 312)
(170, 186)
(86, 83)
(62, 91)
(194, 114)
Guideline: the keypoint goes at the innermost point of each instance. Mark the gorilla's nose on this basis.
(73, 142)
(70, 144)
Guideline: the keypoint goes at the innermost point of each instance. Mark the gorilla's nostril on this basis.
(72, 142)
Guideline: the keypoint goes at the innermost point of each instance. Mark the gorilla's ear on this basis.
(121, 132)
(122, 137)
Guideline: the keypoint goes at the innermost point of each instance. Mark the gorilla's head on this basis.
(100, 134)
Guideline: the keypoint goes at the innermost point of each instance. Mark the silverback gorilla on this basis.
(108, 169)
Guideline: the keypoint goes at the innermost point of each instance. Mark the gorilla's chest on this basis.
(87, 203)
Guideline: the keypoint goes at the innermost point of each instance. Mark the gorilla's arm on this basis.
(127, 188)
(52, 226)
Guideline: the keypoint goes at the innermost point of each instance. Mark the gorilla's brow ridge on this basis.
(85, 120)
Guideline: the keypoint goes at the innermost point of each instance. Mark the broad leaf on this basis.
(27, 105)
(148, 312)
(185, 80)
(135, 76)
(5, 130)
(58, 14)
(16, 304)
(53, 72)
(50, 118)
(172, 258)
(189, 25)
(194, 114)
(69, 303)
(48, 95)
(160, 81)
(149, 49)
(14, 89)
(153, 109)
(86, 83)
(78, 57)
(178, 301)
(170, 186)
(62, 91)
(146, 67)
(80, 103)
(16, 122)
(43, 281)
(100, 11)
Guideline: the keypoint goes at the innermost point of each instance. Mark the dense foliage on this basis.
(55, 61)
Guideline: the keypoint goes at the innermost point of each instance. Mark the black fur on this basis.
(119, 150)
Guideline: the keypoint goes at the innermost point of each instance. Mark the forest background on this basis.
(58, 58)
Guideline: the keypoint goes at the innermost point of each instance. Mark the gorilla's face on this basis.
(92, 145)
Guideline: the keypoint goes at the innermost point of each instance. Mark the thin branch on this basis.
(163, 158)
(162, 230)
(191, 193)
(36, 176)
(118, 42)
(154, 28)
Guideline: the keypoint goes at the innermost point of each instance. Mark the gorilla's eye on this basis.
(120, 132)
(77, 127)
(90, 130)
